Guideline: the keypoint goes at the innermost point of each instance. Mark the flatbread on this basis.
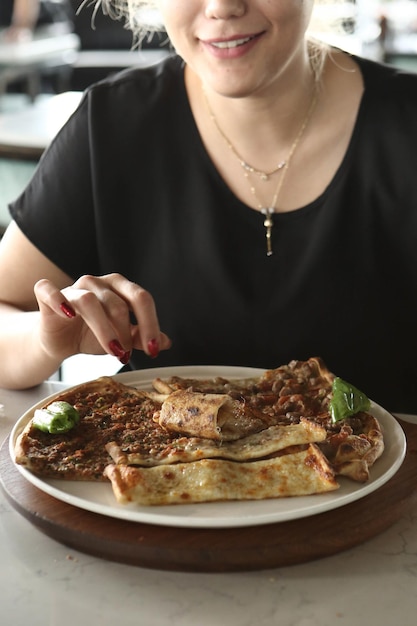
(293, 392)
(193, 441)
(302, 472)
(353, 455)
(109, 411)
(188, 449)
(210, 415)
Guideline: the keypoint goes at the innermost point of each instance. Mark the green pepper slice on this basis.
(347, 400)
(59, 417)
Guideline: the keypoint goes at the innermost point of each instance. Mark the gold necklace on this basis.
(244, 164)
(282, 166)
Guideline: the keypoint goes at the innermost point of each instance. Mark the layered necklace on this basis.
(281, 168)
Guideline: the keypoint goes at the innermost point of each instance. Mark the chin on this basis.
(233, 87)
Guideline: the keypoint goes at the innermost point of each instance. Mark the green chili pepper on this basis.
(347, 400)
(58, 417)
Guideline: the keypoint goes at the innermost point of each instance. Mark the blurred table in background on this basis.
(25, 131)
(24, 135)
(28, 62)
(91, 66)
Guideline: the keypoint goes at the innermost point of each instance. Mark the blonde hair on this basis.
(142, 16)
(139, 16)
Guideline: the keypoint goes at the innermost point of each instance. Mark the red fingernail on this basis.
(153, 348)
(119, 352)
(67, 309)
(117, 349)
(125, 358)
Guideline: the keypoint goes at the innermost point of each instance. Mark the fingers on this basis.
(145, 334)
(105, 305)
(48, 295)
(90, 327)
(148, 335)
(105, 311)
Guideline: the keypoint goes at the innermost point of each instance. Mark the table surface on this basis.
(33, 127)
(44, 582)
(27, 132)
(40, 49)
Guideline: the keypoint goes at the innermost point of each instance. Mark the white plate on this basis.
(99, 498)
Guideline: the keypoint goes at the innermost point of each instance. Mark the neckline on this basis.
(339, 174)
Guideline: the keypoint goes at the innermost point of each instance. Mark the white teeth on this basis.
(231, 44)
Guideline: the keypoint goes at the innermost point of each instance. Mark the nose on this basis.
(225, 9)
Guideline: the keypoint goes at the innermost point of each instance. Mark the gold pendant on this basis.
(268, 223)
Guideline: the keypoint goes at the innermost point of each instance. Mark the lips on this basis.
(227, 43)
(232, 47)
(232, 43)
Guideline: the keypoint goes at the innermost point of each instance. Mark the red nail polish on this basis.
(125, 358)
(117, 349)
(153, 348)
(67, 309)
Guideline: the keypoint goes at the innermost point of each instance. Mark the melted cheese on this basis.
(303, 472)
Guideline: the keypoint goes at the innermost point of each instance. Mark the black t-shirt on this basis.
(128, 187)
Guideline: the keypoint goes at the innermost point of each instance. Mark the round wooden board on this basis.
(217, 550)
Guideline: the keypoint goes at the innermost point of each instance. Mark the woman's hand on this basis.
(94, 316)
(16, 34)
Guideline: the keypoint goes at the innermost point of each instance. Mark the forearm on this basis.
(25, 13)
(23, 363)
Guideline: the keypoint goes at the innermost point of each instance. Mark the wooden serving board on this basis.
(216, 550)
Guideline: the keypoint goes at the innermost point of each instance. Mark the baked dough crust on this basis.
(301, 472)
(193, 441)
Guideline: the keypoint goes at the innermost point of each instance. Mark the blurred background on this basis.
(51, 50)
(47, 61)
(385, 30)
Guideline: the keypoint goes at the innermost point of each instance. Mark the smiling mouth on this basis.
(235, 43)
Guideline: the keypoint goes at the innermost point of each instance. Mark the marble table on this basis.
(43, 582)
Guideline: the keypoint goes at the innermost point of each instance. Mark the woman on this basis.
(248, 202)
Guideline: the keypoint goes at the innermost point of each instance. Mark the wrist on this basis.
(15, 34)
